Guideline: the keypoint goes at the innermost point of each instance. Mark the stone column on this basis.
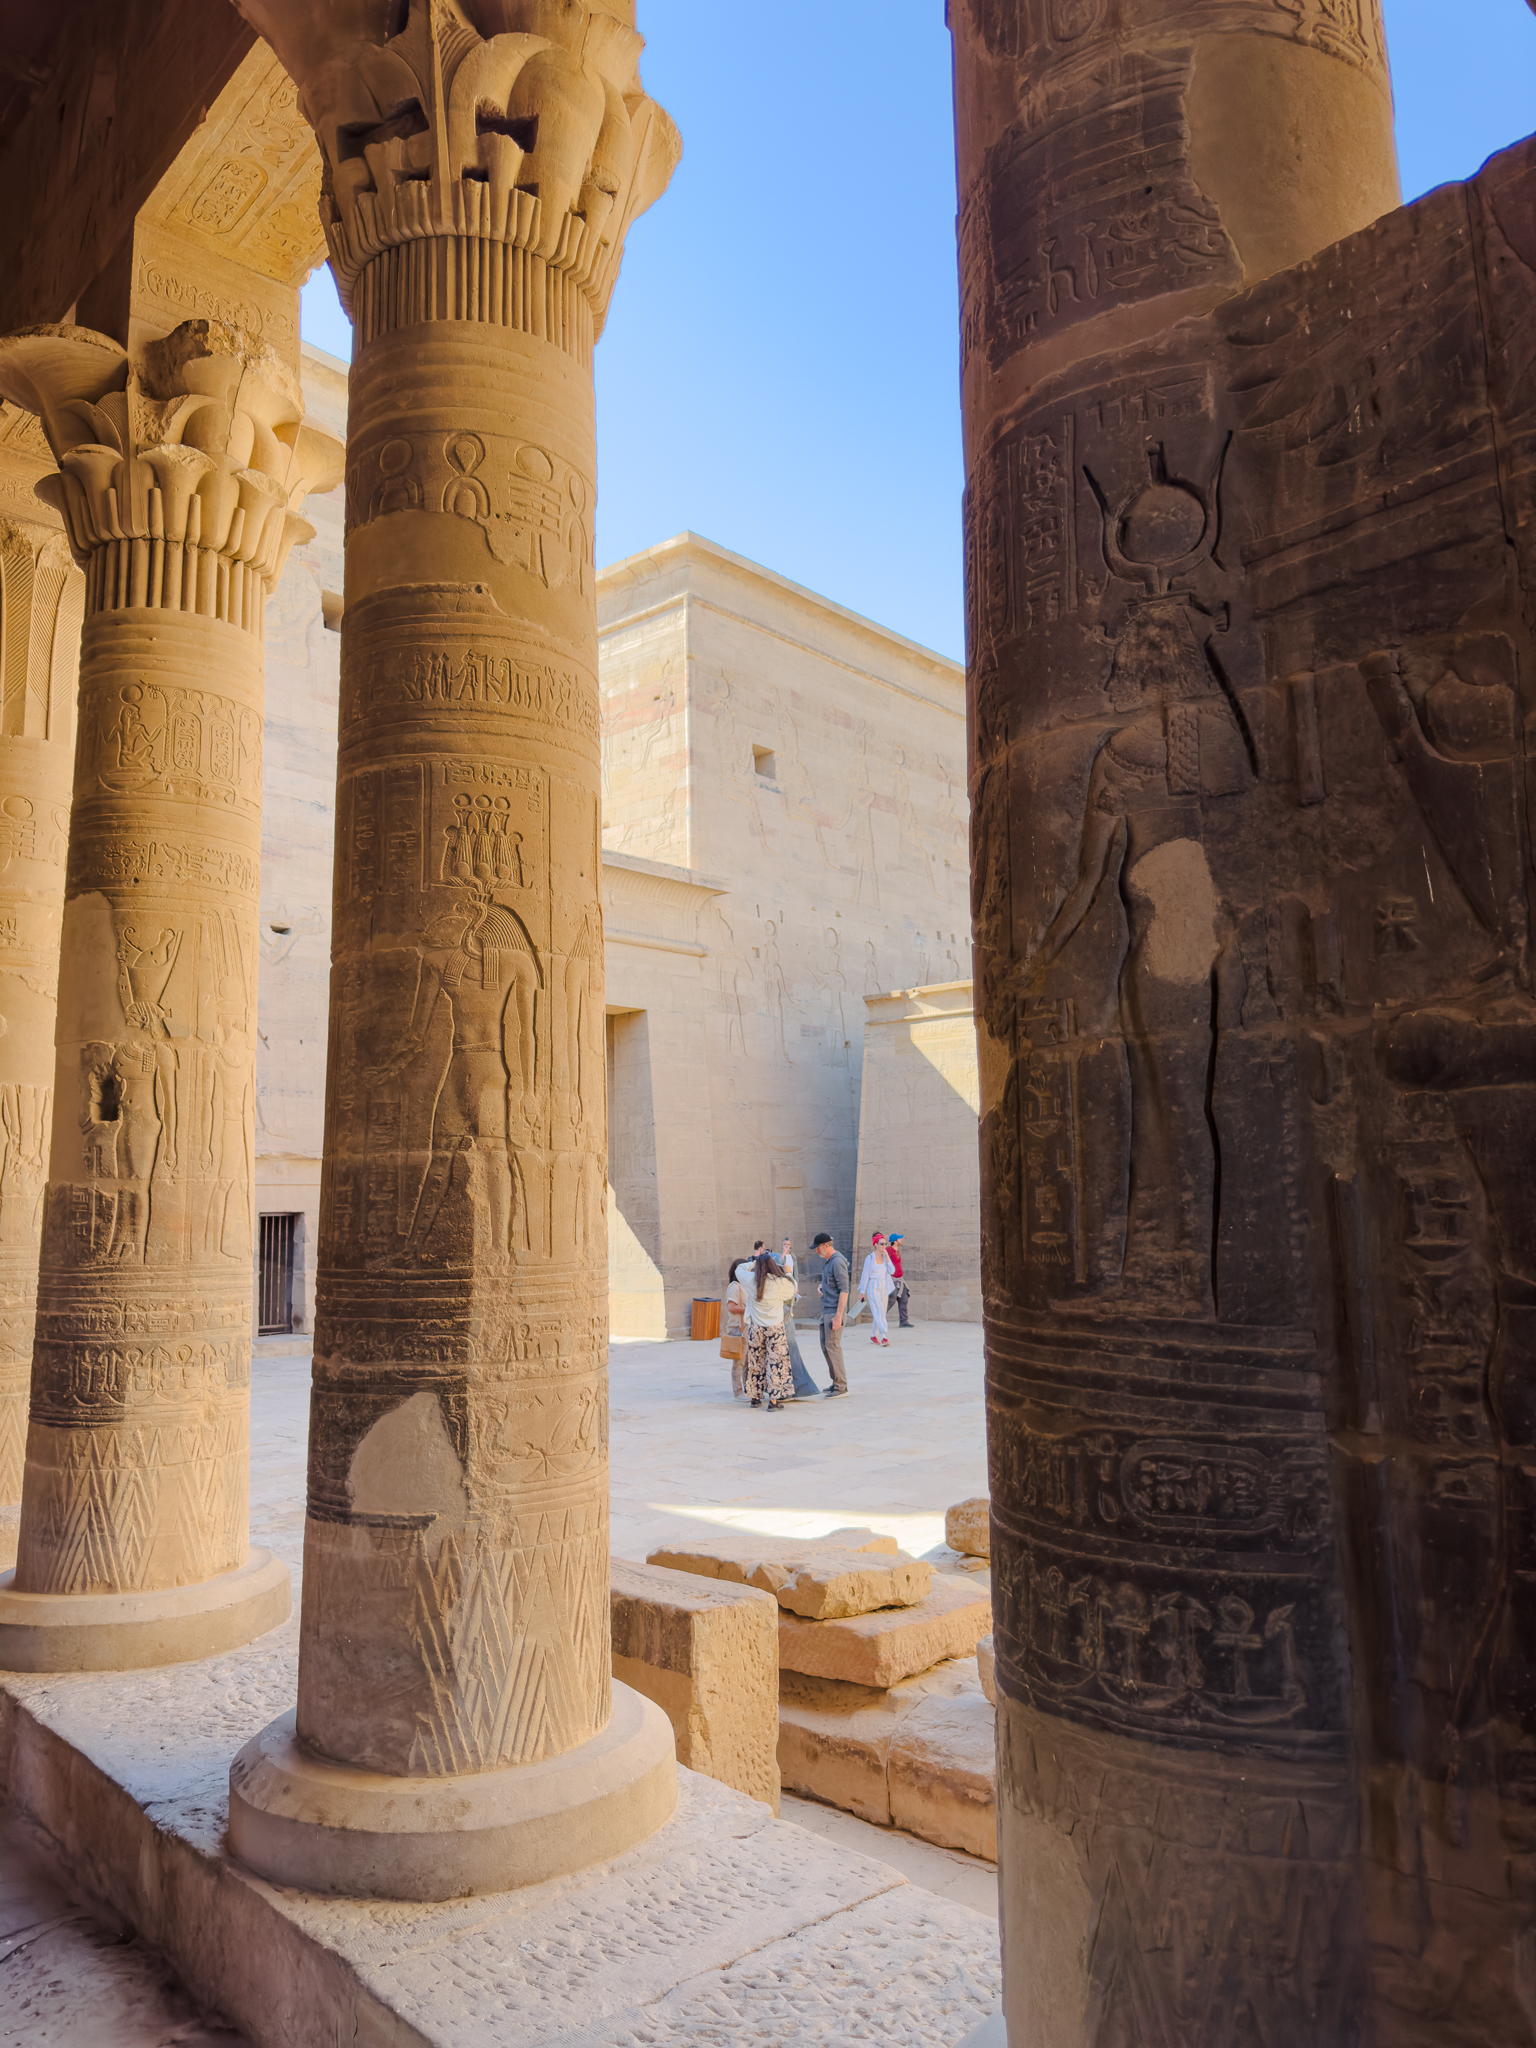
(42, 599)
(483, 166)
(1167, 1134)
(179, 473)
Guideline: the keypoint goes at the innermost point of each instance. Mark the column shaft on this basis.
(456, 1576)
(138, 1451)
(179, 471)
(41, 603)
(455, 1628)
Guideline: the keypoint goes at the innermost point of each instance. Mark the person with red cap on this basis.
(901, 1290)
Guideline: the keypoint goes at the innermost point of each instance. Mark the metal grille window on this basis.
(275, 1295)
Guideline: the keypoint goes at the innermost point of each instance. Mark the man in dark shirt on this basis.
(834, 1300)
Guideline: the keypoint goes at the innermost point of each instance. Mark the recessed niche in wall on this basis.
(765, 764)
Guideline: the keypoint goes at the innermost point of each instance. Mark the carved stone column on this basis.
(483, 166)
(1250, 1663)
(180, 471)
(42, 599)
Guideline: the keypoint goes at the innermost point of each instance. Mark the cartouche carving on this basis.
(180, 477)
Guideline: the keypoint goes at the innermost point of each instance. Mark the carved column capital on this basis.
(492, 154)
(181, 471)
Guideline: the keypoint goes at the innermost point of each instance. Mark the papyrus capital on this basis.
(518, 127)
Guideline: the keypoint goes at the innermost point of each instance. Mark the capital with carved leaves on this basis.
(181, 472)
(482, 167)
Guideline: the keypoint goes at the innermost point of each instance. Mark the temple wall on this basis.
(297, 833)
(748, 914)
(918, 1170)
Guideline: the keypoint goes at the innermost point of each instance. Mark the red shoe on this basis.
(874, 1340)
(886, 1342)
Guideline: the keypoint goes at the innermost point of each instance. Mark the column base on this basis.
(131, 1631)
(302, 1820)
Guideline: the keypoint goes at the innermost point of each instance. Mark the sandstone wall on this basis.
(918, 1167)
(297, 833)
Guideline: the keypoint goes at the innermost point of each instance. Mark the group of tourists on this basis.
(758, 1332)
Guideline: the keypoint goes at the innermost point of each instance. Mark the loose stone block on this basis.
(968, 1527)
(986, 1665)
(942, 1773)
(835, 1738)
(739, 1557)
(843, 1583)
(881, 1649)
(943, 1559)
(707, 1654)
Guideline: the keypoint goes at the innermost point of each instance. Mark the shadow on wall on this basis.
(637, 1304)
(919, 1170)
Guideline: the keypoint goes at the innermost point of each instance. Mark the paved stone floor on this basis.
(68, 1980)
(907, 1442)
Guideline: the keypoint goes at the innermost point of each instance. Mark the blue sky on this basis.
(779, 370)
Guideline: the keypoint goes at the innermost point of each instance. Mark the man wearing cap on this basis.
(901, 1290)
(834, 1299)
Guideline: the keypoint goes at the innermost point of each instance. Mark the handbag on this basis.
(730, 1327)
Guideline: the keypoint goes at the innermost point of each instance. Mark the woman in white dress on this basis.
(876, 1285)
(768, 1378)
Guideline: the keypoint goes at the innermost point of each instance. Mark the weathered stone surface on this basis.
(456, 1572)
(726, 1919)
(181, 469)
(835, 1738)
(881, 1649)
(942, 1773)
(839, 1584)
(708, 1654)
(943, 1559)
(42, 601)
(986, 1665)
(968, 1527)
(749, 1560)
(1250, 598)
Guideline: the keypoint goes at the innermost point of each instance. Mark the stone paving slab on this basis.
(724, 1911)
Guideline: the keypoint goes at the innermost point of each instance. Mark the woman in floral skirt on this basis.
(769, 1379)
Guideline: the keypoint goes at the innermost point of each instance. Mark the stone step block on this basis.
(942, 1773)
(943, 1559)
(881, 1649)
(738, 1556)
(841, 1583)
(707, 1654)
(968, 1527)
(835, 1739)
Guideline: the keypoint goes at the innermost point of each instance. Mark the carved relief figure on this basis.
(1178, 748)
(478, 963)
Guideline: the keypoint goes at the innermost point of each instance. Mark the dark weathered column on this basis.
(1174, 1014)
(180, 471)
(483, 166)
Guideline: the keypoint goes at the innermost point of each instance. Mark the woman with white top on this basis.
(769, 1382)
(876, 1284)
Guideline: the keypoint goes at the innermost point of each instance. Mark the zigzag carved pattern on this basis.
(515, 1646)
(162, 1506)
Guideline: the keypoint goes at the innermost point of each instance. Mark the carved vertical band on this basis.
(458, 1455)
(41, 597)
(137, 1452)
